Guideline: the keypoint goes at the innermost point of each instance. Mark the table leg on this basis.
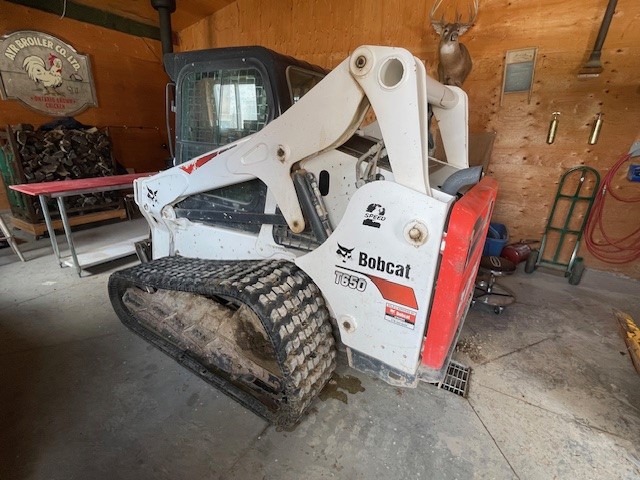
(10, 240)
(67, 232)
(49, 223)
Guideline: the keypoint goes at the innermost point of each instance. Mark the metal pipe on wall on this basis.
(165, 8)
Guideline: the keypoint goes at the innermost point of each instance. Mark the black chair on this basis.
(487, 291)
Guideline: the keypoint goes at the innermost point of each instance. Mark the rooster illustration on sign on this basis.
(49, 78)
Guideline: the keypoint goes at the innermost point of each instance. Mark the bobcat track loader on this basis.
(312, 235)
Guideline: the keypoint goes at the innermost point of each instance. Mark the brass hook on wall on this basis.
(553, 128)
(595, 131)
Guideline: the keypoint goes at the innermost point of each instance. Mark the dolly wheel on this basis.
(576, 272)
(530, 266)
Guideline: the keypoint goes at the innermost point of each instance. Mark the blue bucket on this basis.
(497, 238)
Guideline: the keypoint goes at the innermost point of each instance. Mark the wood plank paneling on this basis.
(325, 31)
(129, 80)
(187, 13)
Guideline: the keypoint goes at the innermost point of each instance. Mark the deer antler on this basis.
(438, 24)
(473, 13)
(432, 13)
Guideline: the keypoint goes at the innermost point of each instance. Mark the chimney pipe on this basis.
(165, 8)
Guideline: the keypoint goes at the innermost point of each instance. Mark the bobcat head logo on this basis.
(151, 194)
(344, 253)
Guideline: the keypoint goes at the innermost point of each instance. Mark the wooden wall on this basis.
(325, 31)
(129, 81)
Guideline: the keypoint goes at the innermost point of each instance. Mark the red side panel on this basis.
(466, 233)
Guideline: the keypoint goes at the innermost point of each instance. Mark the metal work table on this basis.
(67, 188)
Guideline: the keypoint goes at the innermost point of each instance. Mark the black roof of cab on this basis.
(275, 64)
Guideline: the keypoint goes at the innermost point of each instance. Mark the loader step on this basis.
(257, 330)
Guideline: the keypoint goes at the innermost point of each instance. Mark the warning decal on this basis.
(400, 316)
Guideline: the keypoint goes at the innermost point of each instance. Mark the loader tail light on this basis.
(466, 233)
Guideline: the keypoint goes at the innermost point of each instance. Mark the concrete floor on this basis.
(552, 395)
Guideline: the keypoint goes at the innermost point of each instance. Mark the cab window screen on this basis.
(219, 107)
(301, 81)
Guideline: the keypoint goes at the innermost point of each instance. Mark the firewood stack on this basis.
(66, 155)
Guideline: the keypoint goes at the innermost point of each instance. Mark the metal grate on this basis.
(456, 379)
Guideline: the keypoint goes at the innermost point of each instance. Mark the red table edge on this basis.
(60, 186)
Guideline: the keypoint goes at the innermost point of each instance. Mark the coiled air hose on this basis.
(600, 242)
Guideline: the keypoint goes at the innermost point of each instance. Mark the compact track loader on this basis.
(302, 233)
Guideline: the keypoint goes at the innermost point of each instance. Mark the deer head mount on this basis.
(454, 60)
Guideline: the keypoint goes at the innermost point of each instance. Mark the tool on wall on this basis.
(570, 204)
(553, 128)
(593, 67)
(595, 130)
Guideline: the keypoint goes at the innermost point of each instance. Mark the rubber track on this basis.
(287, 302)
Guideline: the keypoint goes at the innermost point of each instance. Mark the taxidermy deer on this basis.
(455, 62)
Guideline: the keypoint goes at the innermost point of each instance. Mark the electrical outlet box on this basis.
(634, 173)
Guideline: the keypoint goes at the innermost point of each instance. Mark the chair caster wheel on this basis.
(498, 310)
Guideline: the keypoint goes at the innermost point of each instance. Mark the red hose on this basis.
(608, 249)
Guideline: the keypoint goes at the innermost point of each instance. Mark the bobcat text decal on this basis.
(391, 291)
(382, 265)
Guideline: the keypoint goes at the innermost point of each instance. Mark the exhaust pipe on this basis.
(593, 67)
(165, 8)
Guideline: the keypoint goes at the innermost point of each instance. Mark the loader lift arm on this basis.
(383, 77)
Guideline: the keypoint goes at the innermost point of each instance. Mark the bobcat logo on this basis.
(152, 194)
(344, 253)
(374, 215)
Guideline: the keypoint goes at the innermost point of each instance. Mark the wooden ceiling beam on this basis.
(187, 12)
(94, 16)
(135, 17)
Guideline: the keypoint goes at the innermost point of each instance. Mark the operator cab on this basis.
(221, 96)
(226, 94)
